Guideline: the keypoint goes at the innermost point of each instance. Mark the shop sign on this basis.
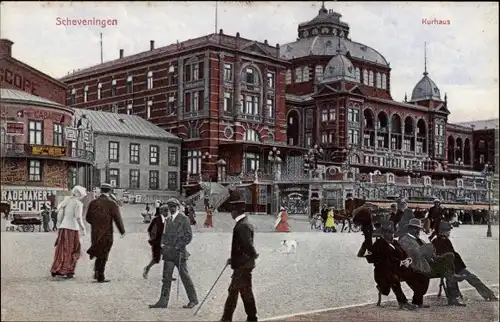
(53, 151)
(27, 200)
(14, 128)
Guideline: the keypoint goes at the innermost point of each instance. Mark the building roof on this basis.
(482, 124)
(123, 125)
(339, 67)
(425, 89)
(7, 94)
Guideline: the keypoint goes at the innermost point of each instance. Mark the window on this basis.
(358, 75)
(36, 132)
(353, 115)
(172, 181)
(195, 74)
(324, 115)
(73, 97)
(365, 77)
(113, 87)
(172, 75)
(305, 74)
(370, 78)
(57, 136)
(148, 109)
(194, 162)
(154, 182)
(195, 104)
(228, 102)
(154, 154)
(134, 153)
(171, 103)
(114, 151)
(35, 170)
(319, 72)
(114, 177)
(332, 114)
(251, 105)
(249, 76)
(252, 135)
(130, 109)
(150, 80)
(366, 140)
(353, 136)
(173, 156)
(252, 161)
(384, 81)
(85, 93)
(406, 145)
(288, 77)
(309, 140)
(99, 91)
(270, 80)
(130, 84)
(439, 148)
(228, 72)
(298, 75)
(379, 81)
(193, 132)
(270, 107)
(324, 138)
(420, 147)
(134, 179)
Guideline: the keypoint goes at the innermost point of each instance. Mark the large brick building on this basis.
(223, 95)
(36, 158)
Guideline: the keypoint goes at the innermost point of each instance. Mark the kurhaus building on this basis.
(37, 158)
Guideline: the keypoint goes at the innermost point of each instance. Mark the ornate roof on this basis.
(425, 89)
(339, 67)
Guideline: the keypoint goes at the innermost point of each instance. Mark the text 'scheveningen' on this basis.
(434, 21)
(72, 22)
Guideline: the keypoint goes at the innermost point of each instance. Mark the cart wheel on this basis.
(355, 228)
(32, 228)
(26, 228)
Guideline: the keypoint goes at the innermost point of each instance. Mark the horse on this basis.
(5, 209)
(347, 213)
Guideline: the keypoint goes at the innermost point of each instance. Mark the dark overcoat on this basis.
(155, 231)
(243, 254)
(101, 215)
(443, 245)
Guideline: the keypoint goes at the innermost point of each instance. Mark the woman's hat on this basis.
(416, 223)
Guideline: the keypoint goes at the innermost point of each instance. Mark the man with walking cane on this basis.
(242, 261)
(177, 235)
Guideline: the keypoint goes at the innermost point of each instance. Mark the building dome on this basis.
(425, 89)
(339, 67)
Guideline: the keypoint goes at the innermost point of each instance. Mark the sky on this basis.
(462, 56)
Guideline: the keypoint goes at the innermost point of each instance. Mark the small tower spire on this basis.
(406, 98)
(425, 59)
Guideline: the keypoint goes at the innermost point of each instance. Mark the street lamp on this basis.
(488, 175)
(275, 160)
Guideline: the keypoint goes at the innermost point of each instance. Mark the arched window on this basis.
(252, 135)
(365, 77)
(305, 74)
(318, 70)
(358, 75)
(379, 80)
(370, 79)
(86, 93)
(150, 79)
(99, 90)
(250, 76)
(384, 81)
(288, 77)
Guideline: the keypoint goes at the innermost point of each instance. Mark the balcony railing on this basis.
(17, 150)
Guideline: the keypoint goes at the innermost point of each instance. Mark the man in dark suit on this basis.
(363, 217)
(391, 265)
(242, 261)
(101, 214)
(395, 216)
(443, 245)
(177, 235)
(434, 218)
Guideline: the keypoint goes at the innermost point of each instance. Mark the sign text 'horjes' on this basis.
(17, 80)
(27, 200)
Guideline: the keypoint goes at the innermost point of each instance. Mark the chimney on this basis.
(121, 53)
(151, 44)
(221, 32)
(5, 47)
(265, 42)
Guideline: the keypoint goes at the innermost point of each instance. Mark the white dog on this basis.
(289, 246)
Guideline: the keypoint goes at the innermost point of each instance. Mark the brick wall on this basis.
(15, 172)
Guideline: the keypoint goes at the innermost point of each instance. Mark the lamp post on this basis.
(206, 157)
(275, 160)
(488, 175)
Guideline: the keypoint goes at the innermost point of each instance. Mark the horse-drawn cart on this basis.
(25, 221)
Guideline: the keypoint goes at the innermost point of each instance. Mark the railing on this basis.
(56, 152)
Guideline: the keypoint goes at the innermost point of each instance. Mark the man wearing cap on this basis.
(443, 245)
(177, 235)
(426, 264)
(242, 261)
(406, 215)
(434, 217)
(391, 265)
(101, 214)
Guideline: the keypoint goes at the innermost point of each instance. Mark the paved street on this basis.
(323, 273)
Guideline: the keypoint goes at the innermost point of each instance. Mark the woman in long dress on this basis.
(208, 220)
(70, 223)
(281, 224)
(330, 222)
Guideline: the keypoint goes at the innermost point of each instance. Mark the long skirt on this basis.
(208, 221)
(67, 252)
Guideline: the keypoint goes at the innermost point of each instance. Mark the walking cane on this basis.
(210, 291)
(178, 285)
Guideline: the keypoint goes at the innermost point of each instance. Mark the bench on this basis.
(442, 286)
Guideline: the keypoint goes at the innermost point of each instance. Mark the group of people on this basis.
(49, 214)
(325, 220)
(412, 260)
(170, 233)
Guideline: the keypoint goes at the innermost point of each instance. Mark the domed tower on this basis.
(339, 68)
(327, 22)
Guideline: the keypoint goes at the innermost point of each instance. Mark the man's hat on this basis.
(444, 227)
(415, 222)
(106, 185)
(174, 201)
(437, 200)
(238, 204)
(386, 227)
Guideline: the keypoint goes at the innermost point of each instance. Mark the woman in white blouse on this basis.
(70, 223)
